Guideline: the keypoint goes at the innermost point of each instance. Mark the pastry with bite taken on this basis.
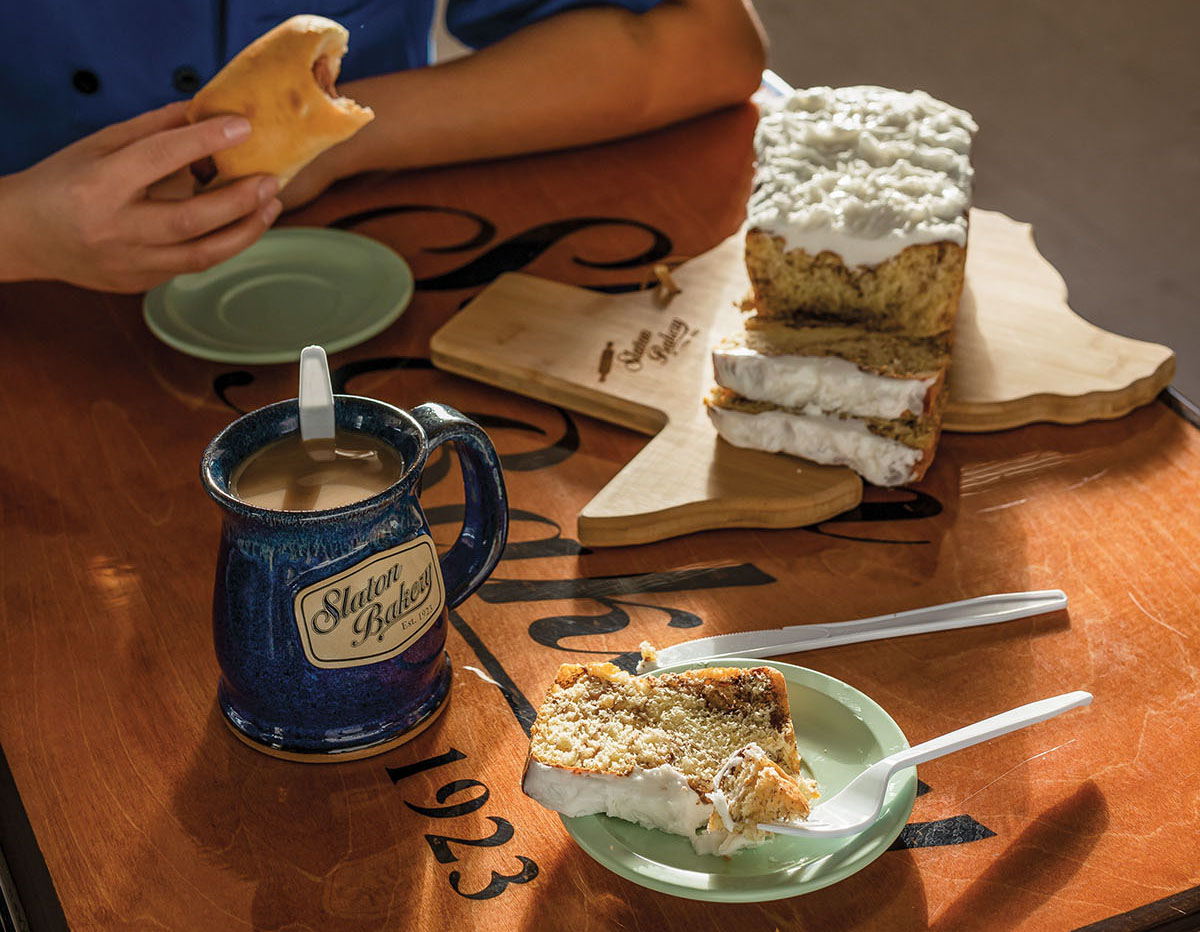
(284, 83)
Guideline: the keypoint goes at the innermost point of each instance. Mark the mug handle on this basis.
(485, 521)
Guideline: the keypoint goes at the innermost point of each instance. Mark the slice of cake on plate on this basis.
(856, 250)
(651, 750)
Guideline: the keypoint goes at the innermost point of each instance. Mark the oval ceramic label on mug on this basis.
(374, 610)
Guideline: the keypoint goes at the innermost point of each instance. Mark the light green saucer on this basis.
(839, 731)
(294, 287)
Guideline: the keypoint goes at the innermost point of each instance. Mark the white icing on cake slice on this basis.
(829, 382)
(822, 438)
(656, 798)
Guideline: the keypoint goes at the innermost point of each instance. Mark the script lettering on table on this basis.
(955, 830)
(913, 506)
(442, 845)
(519, 250)
(612, 593)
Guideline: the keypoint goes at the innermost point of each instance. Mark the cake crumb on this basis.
(649, 652)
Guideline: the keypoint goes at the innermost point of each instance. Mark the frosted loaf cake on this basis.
(650, 750)
(855, 249)
(859, 212)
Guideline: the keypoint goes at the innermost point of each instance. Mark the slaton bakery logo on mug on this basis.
(374, 610)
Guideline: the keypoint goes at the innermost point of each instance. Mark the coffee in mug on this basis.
(291, 474)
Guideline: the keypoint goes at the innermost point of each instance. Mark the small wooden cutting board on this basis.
(643, 360)
(1021, 355)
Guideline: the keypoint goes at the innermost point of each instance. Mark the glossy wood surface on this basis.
(149, 814)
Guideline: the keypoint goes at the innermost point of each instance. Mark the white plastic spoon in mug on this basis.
(316, 404)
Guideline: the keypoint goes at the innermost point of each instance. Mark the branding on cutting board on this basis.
(374, 610)
(649, 347)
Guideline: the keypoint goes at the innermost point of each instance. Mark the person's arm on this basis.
(96, 213)
(578, 77)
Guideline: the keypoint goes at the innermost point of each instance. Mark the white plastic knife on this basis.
(983, 610)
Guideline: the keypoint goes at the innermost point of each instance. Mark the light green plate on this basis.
(839, 731)
(294, 287)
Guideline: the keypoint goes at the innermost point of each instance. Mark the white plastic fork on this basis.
(857, 807)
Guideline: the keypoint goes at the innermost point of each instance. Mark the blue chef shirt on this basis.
(74, 67)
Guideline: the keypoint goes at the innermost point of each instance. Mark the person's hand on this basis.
(114, 212)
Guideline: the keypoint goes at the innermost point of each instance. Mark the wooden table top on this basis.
(125, 802)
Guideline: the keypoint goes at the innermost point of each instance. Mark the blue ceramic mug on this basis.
(330, 626)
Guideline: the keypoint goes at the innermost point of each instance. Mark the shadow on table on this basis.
(1040, 861)
(887, 894)
(317, 841)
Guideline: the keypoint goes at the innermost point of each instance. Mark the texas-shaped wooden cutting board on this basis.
(642, 360)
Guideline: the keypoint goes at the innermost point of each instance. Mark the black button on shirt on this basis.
(186, 79)
(85, 81)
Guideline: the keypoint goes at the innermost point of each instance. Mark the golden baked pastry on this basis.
(284, 84)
